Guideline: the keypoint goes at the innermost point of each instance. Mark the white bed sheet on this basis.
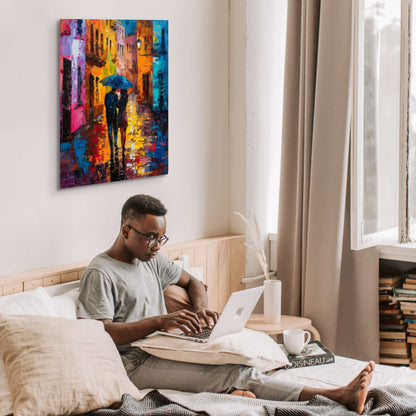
(337, 374)
(343, 370)
(324, 376)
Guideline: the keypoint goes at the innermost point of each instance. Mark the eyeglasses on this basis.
(152, 241)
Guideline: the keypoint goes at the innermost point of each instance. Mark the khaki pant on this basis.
(157, 373)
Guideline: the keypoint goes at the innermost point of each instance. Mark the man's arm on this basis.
(198, 296)
(125, 332)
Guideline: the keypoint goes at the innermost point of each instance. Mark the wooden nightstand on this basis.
(256, 323)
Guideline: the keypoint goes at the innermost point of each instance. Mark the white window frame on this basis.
(400, 234)
(404, 124)
(357, 168)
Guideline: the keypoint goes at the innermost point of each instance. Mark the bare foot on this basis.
(353, 395)
(243, 393)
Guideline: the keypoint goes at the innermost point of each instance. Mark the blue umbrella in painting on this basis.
(117, 81)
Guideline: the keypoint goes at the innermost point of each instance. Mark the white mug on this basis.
(294, 340)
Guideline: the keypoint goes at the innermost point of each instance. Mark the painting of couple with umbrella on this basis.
(113, 100)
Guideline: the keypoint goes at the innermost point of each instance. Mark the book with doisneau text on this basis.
(314, 353)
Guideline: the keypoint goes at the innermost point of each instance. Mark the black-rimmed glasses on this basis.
(152, 241)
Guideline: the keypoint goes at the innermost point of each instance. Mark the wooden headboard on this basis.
(222, 258)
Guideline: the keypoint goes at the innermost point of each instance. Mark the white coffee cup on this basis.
(294, 340)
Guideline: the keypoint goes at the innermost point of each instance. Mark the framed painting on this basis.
(113, 100)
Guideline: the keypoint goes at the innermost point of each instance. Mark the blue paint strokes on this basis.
(66, 146)
(130, 26)
(80, 148)
(160, 65)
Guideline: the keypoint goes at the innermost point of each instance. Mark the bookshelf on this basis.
(397, 296)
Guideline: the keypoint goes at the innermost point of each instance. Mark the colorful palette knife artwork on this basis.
(113, 100)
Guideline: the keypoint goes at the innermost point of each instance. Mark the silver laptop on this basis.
(235, 315)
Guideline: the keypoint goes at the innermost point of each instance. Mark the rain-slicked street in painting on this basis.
(114, 100)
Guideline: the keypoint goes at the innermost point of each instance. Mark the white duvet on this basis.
(337, 374)
(322, 376)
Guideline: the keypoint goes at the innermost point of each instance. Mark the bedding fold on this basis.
(394, 400)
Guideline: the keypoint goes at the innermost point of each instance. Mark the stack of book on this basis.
(411, 339)
(409, 279)
(407, 296)
(393, 346)
(386, 285)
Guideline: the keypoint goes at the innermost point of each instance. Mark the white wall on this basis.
(41, 225)
(237, 166)
(264, 56)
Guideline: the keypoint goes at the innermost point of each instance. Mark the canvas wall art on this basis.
(113, 99)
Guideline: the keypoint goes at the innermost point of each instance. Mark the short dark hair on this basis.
(138, 206)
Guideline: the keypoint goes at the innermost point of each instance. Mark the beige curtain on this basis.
(322, 278)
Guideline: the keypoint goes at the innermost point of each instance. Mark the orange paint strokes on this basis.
(100, 51)
(144, 61)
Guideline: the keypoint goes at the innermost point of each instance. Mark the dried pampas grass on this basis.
(257, 247)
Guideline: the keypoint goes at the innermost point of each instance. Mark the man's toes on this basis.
(243, 393)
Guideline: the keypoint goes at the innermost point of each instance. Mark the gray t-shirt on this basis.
(122, 292)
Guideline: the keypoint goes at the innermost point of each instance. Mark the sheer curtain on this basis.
(322, 278)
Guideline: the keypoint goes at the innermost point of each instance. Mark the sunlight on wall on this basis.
(265, 58)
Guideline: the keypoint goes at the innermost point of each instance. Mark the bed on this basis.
(50, 296)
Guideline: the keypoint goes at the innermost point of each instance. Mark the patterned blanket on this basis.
(387, 400)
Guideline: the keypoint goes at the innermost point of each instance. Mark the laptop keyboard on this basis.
(206, 332)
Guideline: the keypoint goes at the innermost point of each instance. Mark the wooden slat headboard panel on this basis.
(222, 258)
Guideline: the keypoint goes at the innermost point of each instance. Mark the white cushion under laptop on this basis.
(234, 317)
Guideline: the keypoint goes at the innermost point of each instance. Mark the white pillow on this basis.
(33, 302)
(66, 304)
(251, 348)
(58, 366)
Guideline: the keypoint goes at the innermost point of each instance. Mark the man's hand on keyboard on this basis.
(204, 334)
(185, 320)
(207, 317)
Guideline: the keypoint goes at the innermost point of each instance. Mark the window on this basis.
(383, 170)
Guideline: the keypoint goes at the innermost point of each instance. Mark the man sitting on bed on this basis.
(123, 287)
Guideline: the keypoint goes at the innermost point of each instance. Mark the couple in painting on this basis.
(116, 115)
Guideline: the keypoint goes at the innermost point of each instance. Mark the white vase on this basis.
(272, 301)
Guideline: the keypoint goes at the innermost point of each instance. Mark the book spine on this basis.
(402, 291)
(400, 343)
(387, 321)
(390, 327)
(409, 286)
(390, 312)
(388, 335)
(409, 275)
(390, 315)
